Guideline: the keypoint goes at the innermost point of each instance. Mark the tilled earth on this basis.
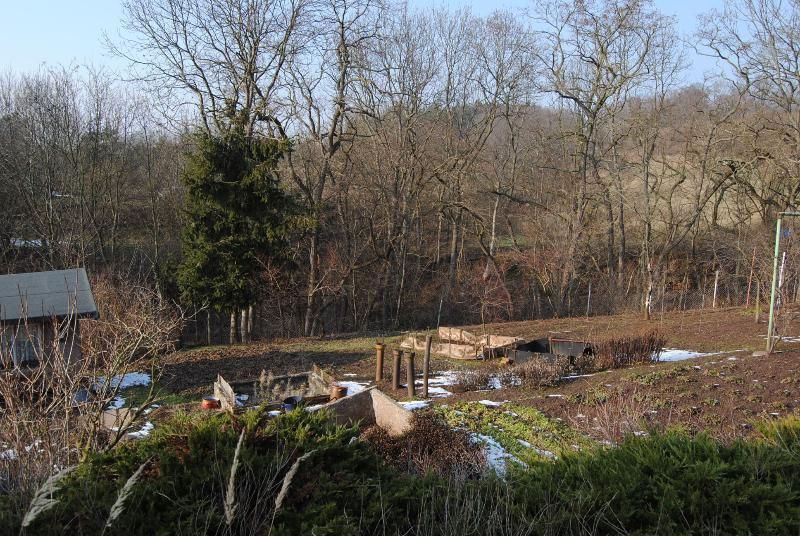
(725, 394)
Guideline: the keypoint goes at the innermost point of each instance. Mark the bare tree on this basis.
(228, 56)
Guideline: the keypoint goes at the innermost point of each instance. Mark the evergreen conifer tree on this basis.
(236, 213)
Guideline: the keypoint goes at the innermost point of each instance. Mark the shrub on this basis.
(618, 352)
(429, 446)
(537, 372)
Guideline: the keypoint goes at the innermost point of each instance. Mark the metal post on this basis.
(771, 324)
(426, 366)
(379, 347)
(410, 374)
(396, 369)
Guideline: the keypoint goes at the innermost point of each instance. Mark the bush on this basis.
(669, 483)
(618, 352)
(429, 446)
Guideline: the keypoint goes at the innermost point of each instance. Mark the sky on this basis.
(63, 32)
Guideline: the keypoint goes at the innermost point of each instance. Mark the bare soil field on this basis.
(724, 394)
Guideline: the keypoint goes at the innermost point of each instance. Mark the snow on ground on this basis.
(438, 392)
(274, 413)
(353, 387)
(448, 377)
(675, 354)
(415, 404)
(241, 399)
(124, 381)
(8, 454)
(144, 431)
(496, 455)
(116, 403)
(491, 403)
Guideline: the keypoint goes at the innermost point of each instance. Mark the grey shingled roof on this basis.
(44, 294)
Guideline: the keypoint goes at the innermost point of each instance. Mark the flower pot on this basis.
(338, 391)
(210, 402)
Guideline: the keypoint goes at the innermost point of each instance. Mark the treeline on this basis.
(454, 168)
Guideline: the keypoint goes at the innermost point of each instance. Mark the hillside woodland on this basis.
(441, 167)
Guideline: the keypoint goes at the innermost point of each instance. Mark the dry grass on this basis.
(430, 445)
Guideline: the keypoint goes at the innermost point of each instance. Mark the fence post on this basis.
(716, 283)
(426, 365)
(750, 279)
(589, 300)
(410, 374)
(396, 369)
(758, 302)
(379, 347)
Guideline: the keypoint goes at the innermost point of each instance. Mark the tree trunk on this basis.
(312, 283)
(232, 333)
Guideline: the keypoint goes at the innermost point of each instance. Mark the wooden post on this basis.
(426, 365)
(208, 327)
(750, 279)
(249, 323)
(589, 300)
(396, 369)
(758, 302)
(379, 347)
(410, 374)
(716, 284)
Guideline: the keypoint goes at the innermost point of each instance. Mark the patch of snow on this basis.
(524, 443)
(495, 383)
(350, 374)
(151, 409)
(556, 395)
(640, 433)
(496, 455)
(675, 354)
(274, 413)
(315, 407)
(448, 377)
(144, 431)
(241, 399)
(412, 405)
(576, 376)
(490, 403)
(353, 387)
(124, 381)
(511, 413)
(438, 392)
(116, 403)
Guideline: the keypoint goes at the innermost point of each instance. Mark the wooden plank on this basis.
(225, 395)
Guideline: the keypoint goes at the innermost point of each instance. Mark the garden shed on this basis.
(40, 314)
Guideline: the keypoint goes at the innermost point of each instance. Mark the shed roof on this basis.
(35, 295)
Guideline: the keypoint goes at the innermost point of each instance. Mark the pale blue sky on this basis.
(52, 32)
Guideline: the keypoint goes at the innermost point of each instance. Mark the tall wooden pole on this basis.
(379, 348)
(410, 374)
(771, 324)
(426, 366)
(396, 369)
